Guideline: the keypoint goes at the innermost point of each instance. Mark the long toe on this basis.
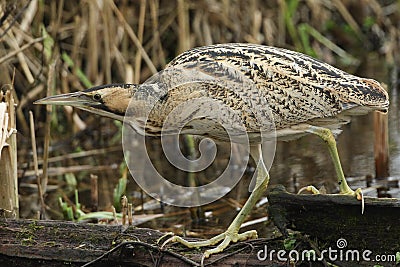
(309, 188)
(230, 238)
(224, 239)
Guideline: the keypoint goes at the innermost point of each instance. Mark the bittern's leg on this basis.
(328, 137)
(232, 233)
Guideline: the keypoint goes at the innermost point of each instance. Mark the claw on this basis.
(360, 196)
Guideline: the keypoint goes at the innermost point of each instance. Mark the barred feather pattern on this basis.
(279, 85)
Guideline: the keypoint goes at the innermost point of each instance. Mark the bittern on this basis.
(304, 95)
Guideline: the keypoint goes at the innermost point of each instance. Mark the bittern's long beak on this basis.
(82, 100)
(76, 99)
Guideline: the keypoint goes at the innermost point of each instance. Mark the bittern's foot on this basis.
(358, 193)
(311, 189)
(225, 238)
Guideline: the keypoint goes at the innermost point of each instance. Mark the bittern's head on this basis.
(107, 100)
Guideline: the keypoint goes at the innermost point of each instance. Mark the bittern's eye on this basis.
(96, 97)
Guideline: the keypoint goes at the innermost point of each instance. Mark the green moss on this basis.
(27, 234)
(34, 226)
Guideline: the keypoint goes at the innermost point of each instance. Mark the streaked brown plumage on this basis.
(259, 85)
(294, 87)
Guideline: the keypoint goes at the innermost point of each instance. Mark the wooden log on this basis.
(55, 243)
(332, 217)
(322, 220)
